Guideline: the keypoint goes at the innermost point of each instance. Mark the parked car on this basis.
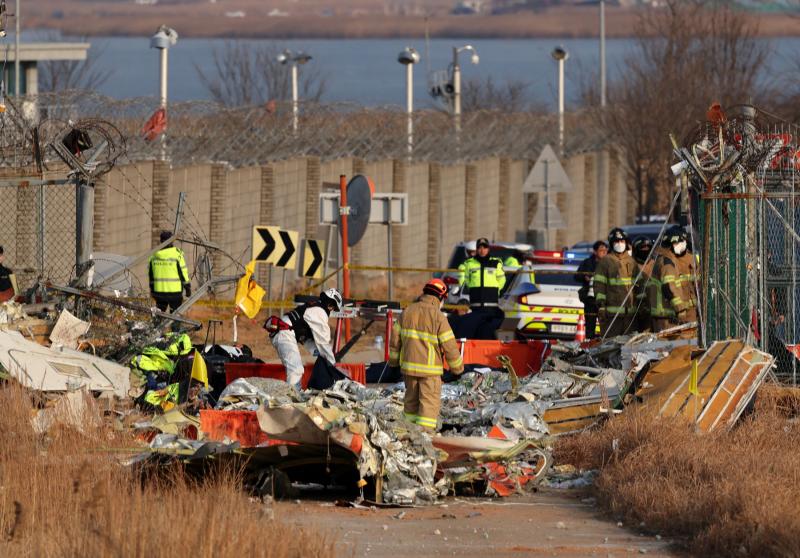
(461, 252)
(542, 303)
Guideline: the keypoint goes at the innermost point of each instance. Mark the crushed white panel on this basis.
(60, 369)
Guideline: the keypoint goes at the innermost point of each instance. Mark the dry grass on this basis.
(724, 494)
(60, 496)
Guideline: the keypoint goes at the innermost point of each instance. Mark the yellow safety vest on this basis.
(168, 271)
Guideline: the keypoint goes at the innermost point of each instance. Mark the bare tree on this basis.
(687, 56)
(486, 95)
(244, 74)
(61, 75)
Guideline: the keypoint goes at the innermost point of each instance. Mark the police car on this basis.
(542, 303)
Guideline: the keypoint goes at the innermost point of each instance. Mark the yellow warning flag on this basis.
(693, 380)
(249, 294)
(199, 369)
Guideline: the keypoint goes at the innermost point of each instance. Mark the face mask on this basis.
(619, 247)
(679, 248)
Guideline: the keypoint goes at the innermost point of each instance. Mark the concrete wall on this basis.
(223, 204)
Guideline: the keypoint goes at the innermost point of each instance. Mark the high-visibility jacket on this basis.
(657, 305)
(153, 359)
(678, 275)
(511, 261)
(167, 269)
(421, 337)
(484, 277)
(180, 344)
(613, 279)
(165, 398)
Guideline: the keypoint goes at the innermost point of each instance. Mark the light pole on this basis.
(602, 155)
(164, 38)
(457, 80)
(17, 24)
(560, 55)
(293, 58)
(602, 54)
(408, 57)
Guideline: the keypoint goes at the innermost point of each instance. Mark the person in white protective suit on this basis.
(307, 325)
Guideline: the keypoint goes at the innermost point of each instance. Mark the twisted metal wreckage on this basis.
(498, 423)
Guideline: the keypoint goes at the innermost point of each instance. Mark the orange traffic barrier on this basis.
(236, 370)
(526, 356)
(240, 426)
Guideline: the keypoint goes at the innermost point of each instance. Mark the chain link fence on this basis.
(38, 235)
(750, 218)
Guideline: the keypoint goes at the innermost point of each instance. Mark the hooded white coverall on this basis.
(285, 343)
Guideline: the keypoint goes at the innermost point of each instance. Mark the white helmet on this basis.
(471, 246)
(331, 296)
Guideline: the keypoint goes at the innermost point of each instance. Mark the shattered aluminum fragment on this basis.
(250, 393)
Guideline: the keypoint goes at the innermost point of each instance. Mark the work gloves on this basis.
(187, 288)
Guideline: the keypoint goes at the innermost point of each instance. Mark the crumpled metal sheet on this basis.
(251, 393)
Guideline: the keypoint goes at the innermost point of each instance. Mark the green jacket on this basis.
(484, 277)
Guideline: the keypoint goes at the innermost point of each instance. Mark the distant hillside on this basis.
(347, 18)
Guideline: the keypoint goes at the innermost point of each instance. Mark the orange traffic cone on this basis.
(580, 330)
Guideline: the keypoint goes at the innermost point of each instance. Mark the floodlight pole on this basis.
(344, 211)
(456, 91)
(295, 107)
(603, 91)
(410, 107)
(561, 107)
(16, 49)
(163, 96)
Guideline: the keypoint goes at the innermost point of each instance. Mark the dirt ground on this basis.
(548, 523)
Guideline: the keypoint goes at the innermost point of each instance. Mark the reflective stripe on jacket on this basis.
(613, 278)
(168, 272)
(484, 277)
(421, 337)
(654, 289)
(679, 275)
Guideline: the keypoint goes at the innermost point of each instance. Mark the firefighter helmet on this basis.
(435, 287)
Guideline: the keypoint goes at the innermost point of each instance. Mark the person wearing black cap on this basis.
(168, 276)
(484, 276)
(8, 281)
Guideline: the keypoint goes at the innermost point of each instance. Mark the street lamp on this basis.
(164, 38)
(457, 80)
(602, 54)
(408, 57)
(295, 59)
(560, 55)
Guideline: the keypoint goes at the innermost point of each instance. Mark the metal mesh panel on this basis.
(749, 222)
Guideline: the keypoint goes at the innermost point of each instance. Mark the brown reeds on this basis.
(722, 494)
(64, 493)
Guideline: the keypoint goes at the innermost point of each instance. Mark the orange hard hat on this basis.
(435, 287)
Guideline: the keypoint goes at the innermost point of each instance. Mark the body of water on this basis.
(366, 71)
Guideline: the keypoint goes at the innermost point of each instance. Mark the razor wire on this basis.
(202, 131)
(748, 171)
